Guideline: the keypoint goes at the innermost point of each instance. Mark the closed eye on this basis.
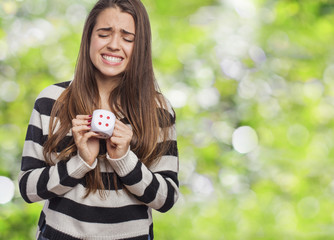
(103, 36)
(128, 40)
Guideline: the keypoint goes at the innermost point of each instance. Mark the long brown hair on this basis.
(136, 97)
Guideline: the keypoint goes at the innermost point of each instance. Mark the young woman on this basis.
(103, 189)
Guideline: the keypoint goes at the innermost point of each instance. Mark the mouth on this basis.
(112, 59)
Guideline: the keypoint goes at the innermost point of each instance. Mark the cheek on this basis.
(90, 52)
(92, 49)
(95, 45)
(94, 53)
(129, 50)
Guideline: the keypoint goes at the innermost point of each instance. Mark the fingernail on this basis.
(89, 126)
(90, 116)
(89, 121)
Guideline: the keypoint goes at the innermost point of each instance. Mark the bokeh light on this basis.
(178, 96)
(9, 91)
(208, 97)
(244, 139)
(7, 190)
(201, 185)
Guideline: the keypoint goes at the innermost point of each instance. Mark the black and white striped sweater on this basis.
(66, 215)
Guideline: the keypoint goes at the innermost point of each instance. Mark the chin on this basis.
(112, 75)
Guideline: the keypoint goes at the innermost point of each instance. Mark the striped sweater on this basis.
(67, 215)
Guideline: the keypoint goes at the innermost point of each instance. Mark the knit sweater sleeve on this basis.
(156, 186)
(37, 179)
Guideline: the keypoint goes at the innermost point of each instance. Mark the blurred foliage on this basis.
(266, 64)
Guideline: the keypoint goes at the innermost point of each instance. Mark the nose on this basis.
(114, 43)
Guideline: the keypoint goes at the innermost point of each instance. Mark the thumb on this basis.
(110, 144)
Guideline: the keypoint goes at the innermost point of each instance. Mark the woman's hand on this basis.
(86, 141)
(118, 144)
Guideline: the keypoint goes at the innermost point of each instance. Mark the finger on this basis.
(80, 129)
(120, 124)
(89, 135)
(117, 142)
(122, 128)
(123, 140)
(83, 117)
(78, 122)
(122, 134)
(83, 138)
(109, 142)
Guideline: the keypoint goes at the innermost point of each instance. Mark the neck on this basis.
(105, 87)
(107, 84)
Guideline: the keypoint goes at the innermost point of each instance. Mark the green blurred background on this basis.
(252, 85)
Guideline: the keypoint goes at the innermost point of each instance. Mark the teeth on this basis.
(112, 59)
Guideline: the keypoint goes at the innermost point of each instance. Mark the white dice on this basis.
(103, 123)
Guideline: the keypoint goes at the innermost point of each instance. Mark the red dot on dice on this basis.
(100, 123)
(108, 117)
(107, 125)
(101, 116)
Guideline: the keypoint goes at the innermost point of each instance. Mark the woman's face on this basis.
(112, 42)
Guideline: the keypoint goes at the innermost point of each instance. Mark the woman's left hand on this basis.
(118, 144)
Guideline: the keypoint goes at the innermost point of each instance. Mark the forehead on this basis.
(114, 18)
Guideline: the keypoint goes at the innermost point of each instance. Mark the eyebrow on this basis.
(110, 29)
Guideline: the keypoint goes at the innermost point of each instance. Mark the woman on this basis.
(103, 189)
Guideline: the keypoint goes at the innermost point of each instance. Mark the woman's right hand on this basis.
(86, 141)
